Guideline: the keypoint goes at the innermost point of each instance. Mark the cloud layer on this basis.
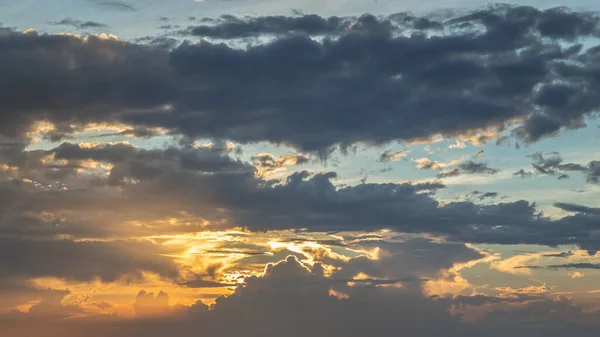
(490, 68)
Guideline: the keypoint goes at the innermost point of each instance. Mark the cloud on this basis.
(576, 274)
(364, 258)
(214, 189)
(562, 254)
(389, 156)
(465, 167)
(295, 299)
(146, 304)
(138, 132)
(564, 266)
(82, 261)
(472, 167)
(79, 24)
(266, 163)
(449, 173)
(523, 174)
(553, 165)
(207, 284)
(316, 94)
(550, 165)
(577, 208)
(428, 164)
(229, 26)
(52, 307)
(593, 172)
(116, 5)
(482, 196)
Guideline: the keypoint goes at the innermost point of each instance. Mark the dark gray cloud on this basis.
(146, 304)
(229, 26)
(466, 167)
(135, 132)
(553, 164)
(498, 19)
(523, 174)
(314, 95)
(564, 266)
(550, 165)
(475, 167)
(79, 24)
(577, 208)
(449, 173)
(483, 195)
(593, 172)
(563, 254)
(266, 162)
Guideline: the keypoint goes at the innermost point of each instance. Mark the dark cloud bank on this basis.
(367, 83)
(208, 183)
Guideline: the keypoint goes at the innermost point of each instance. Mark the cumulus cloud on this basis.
(317, 94)
(294, 299)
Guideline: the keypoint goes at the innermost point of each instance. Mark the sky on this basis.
(299, 168)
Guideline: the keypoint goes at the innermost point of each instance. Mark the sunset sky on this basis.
(299, 168)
